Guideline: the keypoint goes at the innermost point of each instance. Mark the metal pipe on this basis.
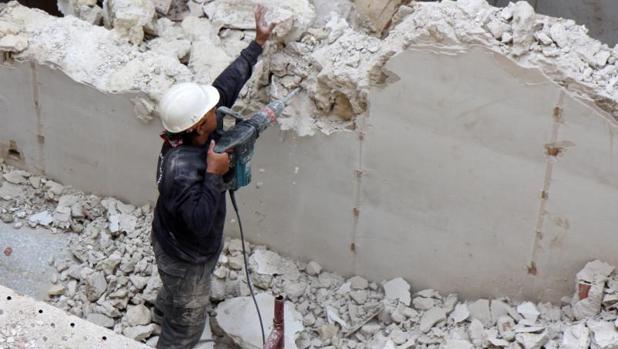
(276, 339)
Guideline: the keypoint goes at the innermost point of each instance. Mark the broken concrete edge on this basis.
(336, 65)
(25, 322)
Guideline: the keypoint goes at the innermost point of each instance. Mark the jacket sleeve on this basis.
(198, 203)
(234, 77)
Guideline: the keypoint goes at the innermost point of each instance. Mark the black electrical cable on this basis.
(244, 256)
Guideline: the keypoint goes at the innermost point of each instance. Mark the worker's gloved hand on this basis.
(217, 163)
(262, 29)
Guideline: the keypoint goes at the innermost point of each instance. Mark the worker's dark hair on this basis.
(183, 137)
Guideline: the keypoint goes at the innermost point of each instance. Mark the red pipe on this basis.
(276, 338)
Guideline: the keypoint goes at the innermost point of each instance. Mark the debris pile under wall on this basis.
(112, 281)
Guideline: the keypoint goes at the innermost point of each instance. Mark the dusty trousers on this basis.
(182, 299)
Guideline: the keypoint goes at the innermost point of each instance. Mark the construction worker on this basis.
(187, 229)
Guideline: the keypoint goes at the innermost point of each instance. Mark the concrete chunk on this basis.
(378, 13)
(480, 310)
(529, 311)
(576, 337)
(238, 319)
(397, 289)
(432, 317)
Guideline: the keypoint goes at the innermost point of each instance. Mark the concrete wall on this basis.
(75, 134)
(444, 187)
(441, 182)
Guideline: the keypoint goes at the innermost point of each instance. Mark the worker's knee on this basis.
(187, 317)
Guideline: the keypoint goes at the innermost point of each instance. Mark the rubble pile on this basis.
(112, 280)
(147, 46)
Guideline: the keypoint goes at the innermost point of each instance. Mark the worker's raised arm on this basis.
(234, 77)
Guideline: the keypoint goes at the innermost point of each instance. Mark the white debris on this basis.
(397, 289)
(13, 43)
(138, 315)
(101, 320)
(460, 313)
(129, 17)
(604, 334)
(238, 319)
(139, 333)
(576, 337)
(293, 16)
(529, 311)
(431, 317)
(313, 268)
(16, 177)
(532, 340)
(43, 218)
(270, 263)
(480, 310)
(358, 283)
(593, 278)
(458, 344)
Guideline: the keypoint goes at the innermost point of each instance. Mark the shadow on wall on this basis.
(599, 16)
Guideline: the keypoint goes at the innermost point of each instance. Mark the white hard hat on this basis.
(184, 105)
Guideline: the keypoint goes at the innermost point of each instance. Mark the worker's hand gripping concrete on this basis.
(239, 141)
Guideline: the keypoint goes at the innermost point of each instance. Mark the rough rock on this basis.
(595, 274)
(13, 43)
(101, 320)
(43, 218)
(293, 16)
(379, 13)
(313, 268)
(529, 311)
(95, 286)
(422, 303)
(398, 290)
(270, 263)
(9, 191)
(238, 319)
(480, 310)
(55, 290)
(576, 337)
(16, 177)
(532, 340)
(458, 344)
(7, 218)
(139, 333)
(358, 283)
(431, 317)
(523, 23)
(128, 17)
(476, 332)
(604, 334)
(138, 315)
(460, 313)
(506, 327)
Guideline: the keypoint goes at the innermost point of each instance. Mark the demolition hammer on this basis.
(239, 141)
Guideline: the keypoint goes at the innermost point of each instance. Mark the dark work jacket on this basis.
(190, 211)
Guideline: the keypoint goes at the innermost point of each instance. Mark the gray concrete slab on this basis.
(26, 269)
(26, 323)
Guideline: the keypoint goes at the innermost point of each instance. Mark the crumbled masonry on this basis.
(142, 50)
(112, 280)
